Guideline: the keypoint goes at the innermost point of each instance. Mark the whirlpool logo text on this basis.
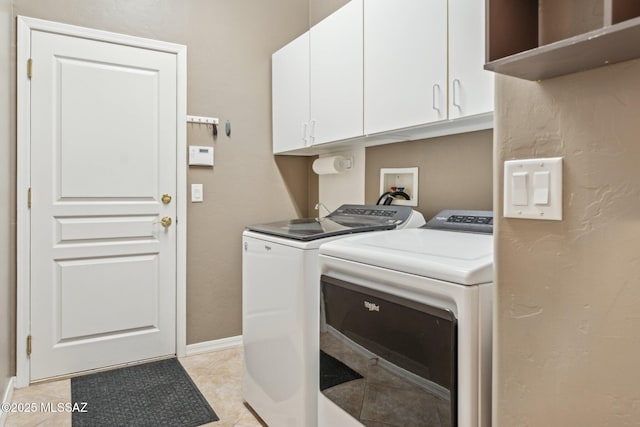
(371, 306)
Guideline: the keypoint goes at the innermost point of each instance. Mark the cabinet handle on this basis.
(435, 96)
(456, 93)
(312, 133)
(305, 125)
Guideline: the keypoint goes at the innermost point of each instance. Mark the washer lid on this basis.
(464, 258)
(346, 219)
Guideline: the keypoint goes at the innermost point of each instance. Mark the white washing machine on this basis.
(406, 320)
(280, 306)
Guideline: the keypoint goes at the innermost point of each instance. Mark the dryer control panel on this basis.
(462, 220)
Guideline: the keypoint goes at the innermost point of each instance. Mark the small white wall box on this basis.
(533, 188)
(402, 179)
(200, 156)
(197, 193)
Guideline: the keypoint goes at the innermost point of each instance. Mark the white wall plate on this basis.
(533, 188)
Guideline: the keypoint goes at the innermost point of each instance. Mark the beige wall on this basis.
(320, 9)
(301, 182)
(229, 62)
(568, 292)
(6, 207)
(455, 171)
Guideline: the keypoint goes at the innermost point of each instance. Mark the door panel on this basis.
(87, 308)
(91, 91)
(470, 85)
(290, 95)
(73, 230)
(103, 151)
(336, 75)
(405, 63)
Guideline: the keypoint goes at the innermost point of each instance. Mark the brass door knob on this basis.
(166, 199)
(165, 221)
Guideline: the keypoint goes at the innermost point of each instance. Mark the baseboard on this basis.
(6, 398)
(215, 345)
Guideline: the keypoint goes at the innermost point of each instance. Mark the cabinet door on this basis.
(336, 75)
(290, 95)
(405, 63)
(470, 86)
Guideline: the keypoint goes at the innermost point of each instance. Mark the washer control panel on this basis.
(382, 214)
(462, 220)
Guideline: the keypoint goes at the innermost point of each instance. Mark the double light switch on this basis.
(533, 188)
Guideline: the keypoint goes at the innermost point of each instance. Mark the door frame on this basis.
(23, 182)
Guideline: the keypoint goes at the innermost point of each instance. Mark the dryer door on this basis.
(387, 359)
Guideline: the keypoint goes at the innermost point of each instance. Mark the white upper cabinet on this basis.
(470, 85)
(290, 95)
(389, 70)
(405, 63)
(336, 75)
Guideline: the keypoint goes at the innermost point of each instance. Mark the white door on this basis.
(470, 85)
(405, 63)
(290, 95)
(103, 152)
(336, 75)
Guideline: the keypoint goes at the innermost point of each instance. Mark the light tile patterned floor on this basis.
(218, 375)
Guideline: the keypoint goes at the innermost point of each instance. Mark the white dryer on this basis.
(406, 320)
(280, 306)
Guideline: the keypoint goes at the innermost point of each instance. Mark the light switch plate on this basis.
(533, 188)
(197, 193)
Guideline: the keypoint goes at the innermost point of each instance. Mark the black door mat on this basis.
(153, 394)
(334, 372)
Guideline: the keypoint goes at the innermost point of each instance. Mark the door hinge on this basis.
(28, 345)
(29, 198)
(29, 68)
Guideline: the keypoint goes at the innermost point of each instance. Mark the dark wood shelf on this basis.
(542, 39)
(607, 45)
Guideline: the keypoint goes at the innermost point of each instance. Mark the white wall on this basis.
(343, 188)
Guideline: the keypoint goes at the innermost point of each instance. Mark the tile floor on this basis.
(218, 375)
